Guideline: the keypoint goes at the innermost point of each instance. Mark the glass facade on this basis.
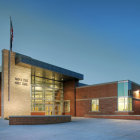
(95, 105)
(46, 96)
(125, 104)
(124, 96)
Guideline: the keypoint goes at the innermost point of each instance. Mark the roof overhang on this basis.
(33, 63)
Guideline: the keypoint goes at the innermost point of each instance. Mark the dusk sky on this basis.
(97, 38)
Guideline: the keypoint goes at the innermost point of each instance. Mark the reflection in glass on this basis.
(47, 95)
(124, 96)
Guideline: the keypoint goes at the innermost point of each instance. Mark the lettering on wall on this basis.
(21, 81)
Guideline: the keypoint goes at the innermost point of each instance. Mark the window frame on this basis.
(127, 103)
(124, 92)
(97, 104)
(67, 101)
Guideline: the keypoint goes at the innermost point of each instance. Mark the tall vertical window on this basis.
(125, 104)
(95, 105)
(67, 106)
(124, 96)
(46, 95)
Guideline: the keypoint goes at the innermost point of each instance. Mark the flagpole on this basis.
(9, 62)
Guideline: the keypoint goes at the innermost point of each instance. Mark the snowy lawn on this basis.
(78, 129)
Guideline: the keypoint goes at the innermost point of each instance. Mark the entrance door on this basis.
(53, 110)
(49, 109)
(58, 110)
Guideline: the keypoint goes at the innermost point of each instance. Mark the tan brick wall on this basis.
(20, 103)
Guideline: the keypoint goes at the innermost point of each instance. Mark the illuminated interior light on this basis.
(137, 94)
(38, 88)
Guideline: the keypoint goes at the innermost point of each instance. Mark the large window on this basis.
(47, 95)
(124, 96)
(95, 105)
(124, 104)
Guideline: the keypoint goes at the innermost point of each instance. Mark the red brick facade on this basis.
(108, 98)
(136, 100)
(37, 113)
(128, 117)
(34, 120)
(136, 107)
(69, 94)
(106, 93)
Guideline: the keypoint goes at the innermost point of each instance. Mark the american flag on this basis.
(11, 33)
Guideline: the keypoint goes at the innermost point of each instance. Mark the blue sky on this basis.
(98, 38)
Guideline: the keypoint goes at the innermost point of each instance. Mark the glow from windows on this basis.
(95, 105)
(47, 96)
(136, 94)
(124, 96)
(124, 104)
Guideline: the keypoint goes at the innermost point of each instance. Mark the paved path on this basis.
(78, 129)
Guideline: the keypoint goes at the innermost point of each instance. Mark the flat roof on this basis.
(20, 58)
(107, 83)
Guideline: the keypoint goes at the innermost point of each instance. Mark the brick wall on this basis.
(38, 113)
(69, 94)
(34, 120)
(136, 107)
(136, 100)
(106, 93)
(126, 117)
(19, 103)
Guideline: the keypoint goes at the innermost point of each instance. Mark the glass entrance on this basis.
(49, 110)
(47, 95)
(58, 108)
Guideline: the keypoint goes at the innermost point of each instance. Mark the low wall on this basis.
(125, 117)
(34, 120)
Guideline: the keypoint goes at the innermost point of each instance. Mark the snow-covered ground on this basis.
(78, 129)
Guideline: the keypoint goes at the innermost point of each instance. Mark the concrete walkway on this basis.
(78, 129)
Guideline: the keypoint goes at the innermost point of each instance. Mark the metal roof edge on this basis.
(107, 83)
(98, 84)
(34, 62)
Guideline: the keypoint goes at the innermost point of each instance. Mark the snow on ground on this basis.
(78, 129)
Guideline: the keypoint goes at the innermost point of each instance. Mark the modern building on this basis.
(108, 99)
(38, 88)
